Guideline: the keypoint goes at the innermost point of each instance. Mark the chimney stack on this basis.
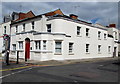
(73, 16)
(112, 25)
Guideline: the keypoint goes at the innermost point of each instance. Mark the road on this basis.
(102, 71)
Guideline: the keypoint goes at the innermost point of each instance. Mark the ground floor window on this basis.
(37, 45)
(44, 45)
(87, 48)
(20, 44)
(58, 46)
(109, 49)
(99, 48)
(70, 47)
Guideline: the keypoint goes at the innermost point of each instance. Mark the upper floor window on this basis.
(37, 45)
(48, 27)
(44, 45)
(70, 47)
(87, 32)
(14, 46)
(58, 47)
(99, 48)
(33, 24)
(20, 44)
(16, 28)
(99, 34)
(24, 27)
(4, 29)
(78, 30)
(87, 48)
(105, 36)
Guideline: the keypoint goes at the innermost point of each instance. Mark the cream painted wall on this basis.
(64, 27)
(7, 24)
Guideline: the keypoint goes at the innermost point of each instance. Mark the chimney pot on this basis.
(73, 16)
(112, 25)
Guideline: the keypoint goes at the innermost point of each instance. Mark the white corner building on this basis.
(55, 36)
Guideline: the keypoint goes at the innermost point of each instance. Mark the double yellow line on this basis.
(21, 67)
(15, 68)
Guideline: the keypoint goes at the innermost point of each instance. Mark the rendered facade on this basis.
(55, 36)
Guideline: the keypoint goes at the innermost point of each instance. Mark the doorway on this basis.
(27, 49)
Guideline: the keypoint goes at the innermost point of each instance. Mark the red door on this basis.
(27, 50)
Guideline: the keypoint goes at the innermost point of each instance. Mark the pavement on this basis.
(63, 62)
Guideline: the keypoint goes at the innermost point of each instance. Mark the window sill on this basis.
(99, 53)
(41, 51)
(13, 50)
(87, 53)
(58, 54)
(87, 36)
(20, 50)
(99, 39)
(71, 54)
(79, 36)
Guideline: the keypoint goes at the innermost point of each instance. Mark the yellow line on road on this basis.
(21, 67)
(14, 68)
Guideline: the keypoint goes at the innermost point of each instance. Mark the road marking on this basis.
(15, 68)
(15, 72)
(30, 65)
(19, 70)
(40, 65)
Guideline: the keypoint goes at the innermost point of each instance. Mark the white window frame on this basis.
(109, 49)
(20, 44)
(14, 47)
(71, 47)
(87, 48)
(99, 35)
(24, 27)
(33, 25)
(78, 30)
(58, 47)
(16, 28)
(44, 44)
(99, 49)
(4, 29)
(105, 36)
(48, 28)
(38, 45)
(87, 32)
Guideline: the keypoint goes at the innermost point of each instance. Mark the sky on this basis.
(107, 12)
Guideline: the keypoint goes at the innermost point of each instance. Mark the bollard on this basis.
(17, 57)
(7, 58)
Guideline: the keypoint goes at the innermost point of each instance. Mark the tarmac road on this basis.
(102, 71)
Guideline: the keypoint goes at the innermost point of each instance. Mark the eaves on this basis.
(51, 18)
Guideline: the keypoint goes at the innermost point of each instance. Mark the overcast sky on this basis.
(107, 12)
